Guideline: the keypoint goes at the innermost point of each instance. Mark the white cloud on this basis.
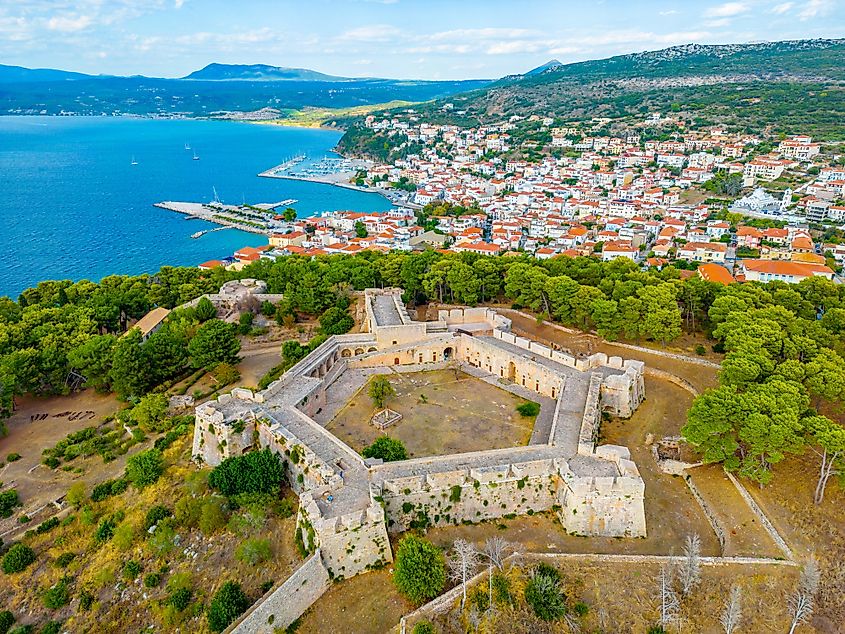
(69, 24)
(814, 9)
(371, 33)
(727, 10)
(668, 12)
(780, 9)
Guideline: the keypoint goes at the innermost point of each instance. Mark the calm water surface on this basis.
(72, 206)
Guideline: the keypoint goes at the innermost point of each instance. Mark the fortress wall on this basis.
(215, 439)
(529, 374)
(288, 601)
(591, 420)
(350, 544)
(305, 469)
(470, 495)
(604, 506)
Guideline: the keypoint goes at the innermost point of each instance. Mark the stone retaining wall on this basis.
(280, 607)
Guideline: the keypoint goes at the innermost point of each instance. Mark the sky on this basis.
(419, 39)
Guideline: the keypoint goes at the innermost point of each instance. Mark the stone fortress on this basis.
(349, 505)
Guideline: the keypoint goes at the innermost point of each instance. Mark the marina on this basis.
(284, 166)
(260, 218)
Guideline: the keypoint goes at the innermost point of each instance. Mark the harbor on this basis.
(260, 218)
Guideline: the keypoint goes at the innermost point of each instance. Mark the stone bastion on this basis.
(348, 506)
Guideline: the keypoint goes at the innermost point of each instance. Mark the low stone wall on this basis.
(280, 607)
(708, 513)
(755, 508)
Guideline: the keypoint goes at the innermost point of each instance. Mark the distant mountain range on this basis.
(215, 89)
(259, 72)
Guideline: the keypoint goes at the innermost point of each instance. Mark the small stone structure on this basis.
(385, 418)
(236, 297)
(348, 506)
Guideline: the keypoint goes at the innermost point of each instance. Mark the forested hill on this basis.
(735, 83)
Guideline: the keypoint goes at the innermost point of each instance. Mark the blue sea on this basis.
(73, 207)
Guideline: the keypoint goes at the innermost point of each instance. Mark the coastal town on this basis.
(733, 207)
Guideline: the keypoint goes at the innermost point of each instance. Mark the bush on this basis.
(63, 560)
(227, 605)
(255, 472)
(212, 516)
(387, 448)
(336, 321)
(419, 570)
(131, 569)
(105, 530)
(152, 579)
(13, 457)
(144, 468)
(423, 627)
(17, 558)
(700, 350)
(180, 598)
(47, 525)
(528, 409)
(108, 488)
(7, 620)
(51, 461)
(543, 593)
(8, 501)
(51, 627)
(58, 595)
(151, 413)
(155, 515)
(254, 551)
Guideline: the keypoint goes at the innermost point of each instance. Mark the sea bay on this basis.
(73, 206)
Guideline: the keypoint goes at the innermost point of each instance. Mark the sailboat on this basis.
(134, 162)
(187, 147)
(196, 158)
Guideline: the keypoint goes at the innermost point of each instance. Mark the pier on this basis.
(253, 219)
(276, 172)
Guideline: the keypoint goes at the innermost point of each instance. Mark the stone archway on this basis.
(512, 371)
(447, 353)
(359, 351)
(396, 361)
(346, 353)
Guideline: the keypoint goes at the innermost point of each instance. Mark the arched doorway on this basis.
(447, 353)
(395, 360)
(512, 371)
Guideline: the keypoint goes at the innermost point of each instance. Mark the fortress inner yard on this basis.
(473, 457)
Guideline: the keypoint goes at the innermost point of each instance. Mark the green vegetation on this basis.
(17, 558)
(215, 342)
(387, 448)
(227, 605)
(528, 409)
(8, 502)
(255, 472)
(145, 468)
(380, 390)
(419, 569)
(336, 321)
(543, 594)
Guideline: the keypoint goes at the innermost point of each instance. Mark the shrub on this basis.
(7, 620)
(336, 321)
(152, 579)
(700, 350)
(151, 413)
(63, 560)
(17, 558)
(108, 488)
(387, 448)
(144, 468)
(51, 461)
(380, 391)
(51, 627)
(528, 409)
(212, 516)
(8, 501)
(227, 605)
(254, 551)
(255, 472)
(419, 570)
(105, 530)
(13, 457)
(58, 595)
(543, 593)
(423, 627)
(155, 515)
(179, 599)
(47, 525)
(131, 569)
(86, 600)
